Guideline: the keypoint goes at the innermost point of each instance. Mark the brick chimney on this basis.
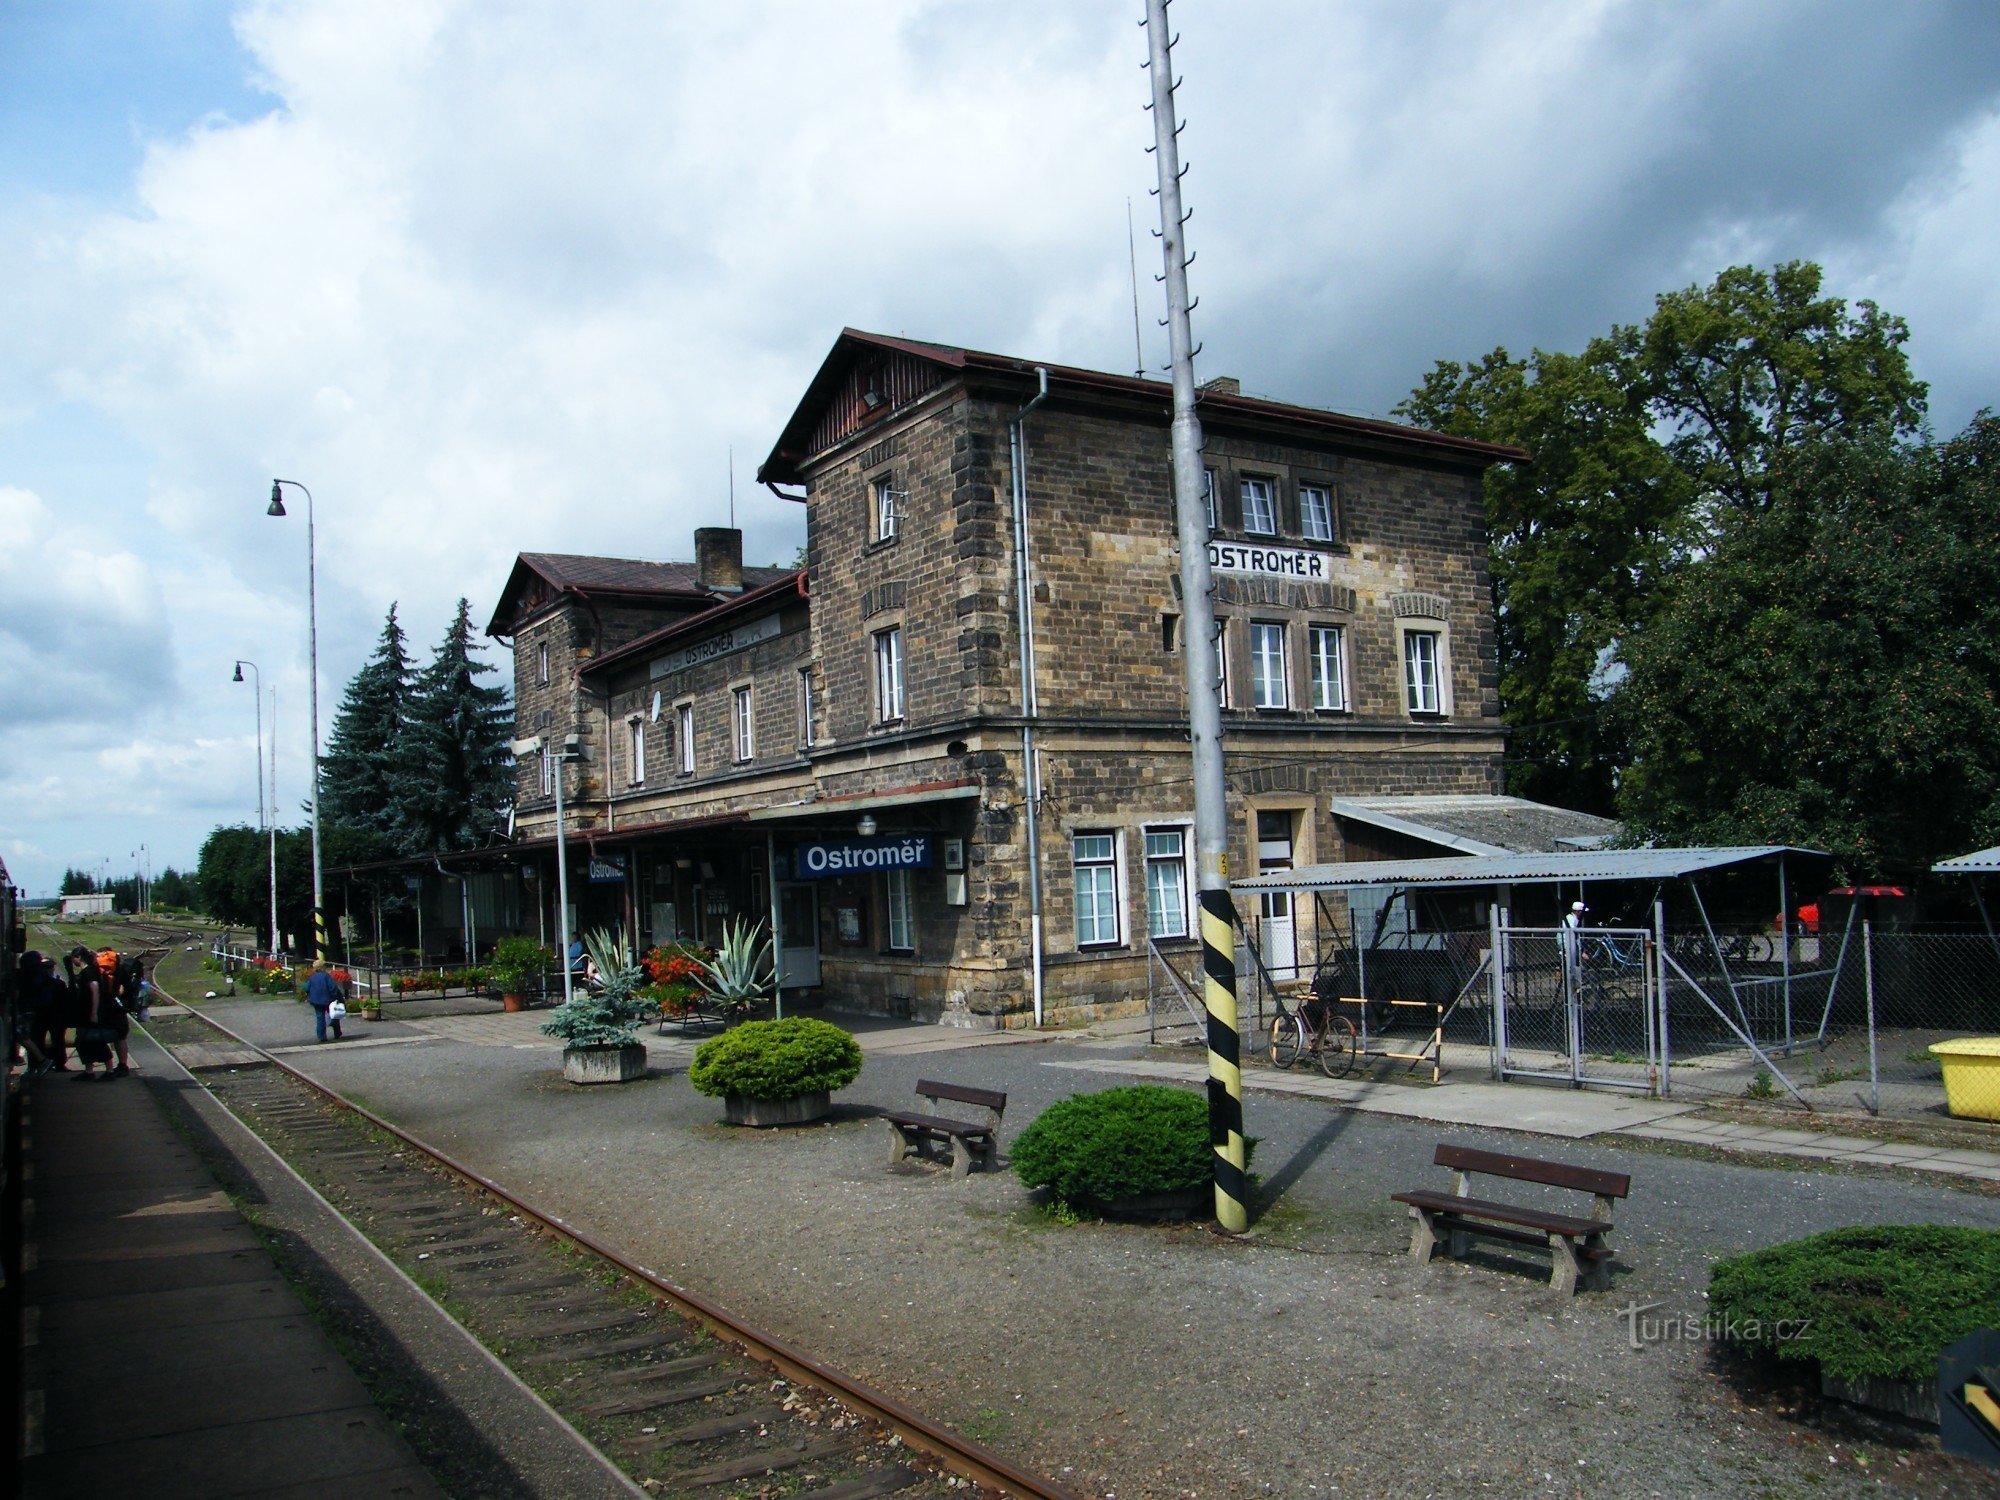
(718, 559)
(1222, 385)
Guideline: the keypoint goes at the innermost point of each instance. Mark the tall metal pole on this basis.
(1211, 826)
(312, 654)
(263, 819)
(562, 878)
(271, 827)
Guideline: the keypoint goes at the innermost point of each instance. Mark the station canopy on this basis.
(1562, 868)
(1979, 862)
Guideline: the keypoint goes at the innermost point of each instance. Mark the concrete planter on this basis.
(1912, 1400)
(1158, 1208)
(740, 1109)
(604, 1064)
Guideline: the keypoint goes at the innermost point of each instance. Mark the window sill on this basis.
(880, 544)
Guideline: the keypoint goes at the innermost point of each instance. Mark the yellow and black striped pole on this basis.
(1198, 653)
(1225, 1060)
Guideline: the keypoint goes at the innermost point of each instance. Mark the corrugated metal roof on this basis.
(1477, 823)
(1517, 869)
(1979, 862)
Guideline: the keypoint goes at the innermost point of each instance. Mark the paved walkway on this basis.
(165, 1356)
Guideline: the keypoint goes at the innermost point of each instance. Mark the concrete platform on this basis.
(168, 1357)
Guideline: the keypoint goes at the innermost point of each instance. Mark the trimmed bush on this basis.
(1874, 1302)
(776, 1059)
(1120, 1143)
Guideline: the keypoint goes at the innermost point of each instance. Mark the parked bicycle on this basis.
(1309, 1030)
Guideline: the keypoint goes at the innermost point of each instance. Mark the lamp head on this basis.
(277, 505)
(239, 673)
(866, 827)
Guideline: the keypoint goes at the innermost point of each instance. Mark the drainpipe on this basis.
(1017, 457)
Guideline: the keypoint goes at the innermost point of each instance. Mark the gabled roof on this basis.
(1479, 824)
(789, 586)
(553, 573)
(806, 431)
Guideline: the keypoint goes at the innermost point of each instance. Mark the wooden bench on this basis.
(1448, 1221)
(970, 1140)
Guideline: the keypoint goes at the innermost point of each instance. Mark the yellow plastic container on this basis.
(1971, 1076)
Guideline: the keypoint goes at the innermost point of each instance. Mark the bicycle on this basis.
(1332, 1040)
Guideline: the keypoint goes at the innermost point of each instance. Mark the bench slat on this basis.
(962, 1094)
(1528, 1169)
(1505, 1213)
(939, 1123)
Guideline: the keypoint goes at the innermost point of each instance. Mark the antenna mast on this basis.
(1211, 824)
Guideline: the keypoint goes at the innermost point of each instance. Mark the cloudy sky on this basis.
(493, 276)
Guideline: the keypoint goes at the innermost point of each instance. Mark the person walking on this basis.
(323, 994)
(27, 1011)
(53, 1015)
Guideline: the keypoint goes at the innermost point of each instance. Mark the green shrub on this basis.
(608, 1014)
(776, 1059)
(1120, 1143)
(1880, 1301)
(517, 962)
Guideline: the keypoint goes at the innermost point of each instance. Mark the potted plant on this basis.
(597, 1025)
(776, 1072)
(516, 963)
(739, 975)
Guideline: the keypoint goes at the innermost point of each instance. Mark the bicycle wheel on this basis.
(1338, 1048)
(1287, 1041)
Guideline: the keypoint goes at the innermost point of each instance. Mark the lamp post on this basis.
(142, 874)
(562, 751)
(277, 508)
(268, 823)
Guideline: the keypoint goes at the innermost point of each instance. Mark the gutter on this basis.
(1031, 779)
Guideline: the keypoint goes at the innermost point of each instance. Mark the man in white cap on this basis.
(1572, 945)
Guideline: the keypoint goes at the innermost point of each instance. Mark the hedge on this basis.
(1881, 1301)
(776, 1059)
(1119, 1143)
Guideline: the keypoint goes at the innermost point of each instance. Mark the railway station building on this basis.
(948, 757)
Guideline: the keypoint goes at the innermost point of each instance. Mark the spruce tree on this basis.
(453, 773)
(360, 768)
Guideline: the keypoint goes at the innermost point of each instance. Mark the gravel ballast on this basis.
(1310, 1358)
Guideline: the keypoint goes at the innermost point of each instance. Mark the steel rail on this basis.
(961, 1455)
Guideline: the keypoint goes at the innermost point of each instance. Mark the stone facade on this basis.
(1337, 542)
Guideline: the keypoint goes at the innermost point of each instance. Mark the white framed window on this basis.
(635, 750)
(902, 935)
(1222, 661)
(1420, 672)
(1208, 498)
(883, 498)
(1166, 882)
(542, 663)
(1316, 512)
(742, 722)
(546, 768)
(1270, 684)
(806, 706)
(889, 674)
(1260, 507)
(1094, 857)
(684, 736)
(1325, 645)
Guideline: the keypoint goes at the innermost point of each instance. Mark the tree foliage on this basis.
(454, 775)
(1829, 673)
(1644, 446)
(360, 768)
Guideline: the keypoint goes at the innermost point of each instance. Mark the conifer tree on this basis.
(360, 769)
(453, 774)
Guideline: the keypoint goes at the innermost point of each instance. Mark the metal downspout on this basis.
(1017, 454)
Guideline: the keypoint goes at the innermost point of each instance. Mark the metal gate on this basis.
(1578, 1005)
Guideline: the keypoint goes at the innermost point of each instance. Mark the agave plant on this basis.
(608, 1015)
(740, 973)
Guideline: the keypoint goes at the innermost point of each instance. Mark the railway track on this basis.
(685, 1398)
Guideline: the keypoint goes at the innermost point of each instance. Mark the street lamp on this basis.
(566, 749)
(268, 823)
(277, 508)
(142, 873)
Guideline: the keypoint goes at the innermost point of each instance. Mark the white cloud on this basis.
(493, 276)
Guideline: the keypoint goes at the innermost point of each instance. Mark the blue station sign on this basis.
(824, 857)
